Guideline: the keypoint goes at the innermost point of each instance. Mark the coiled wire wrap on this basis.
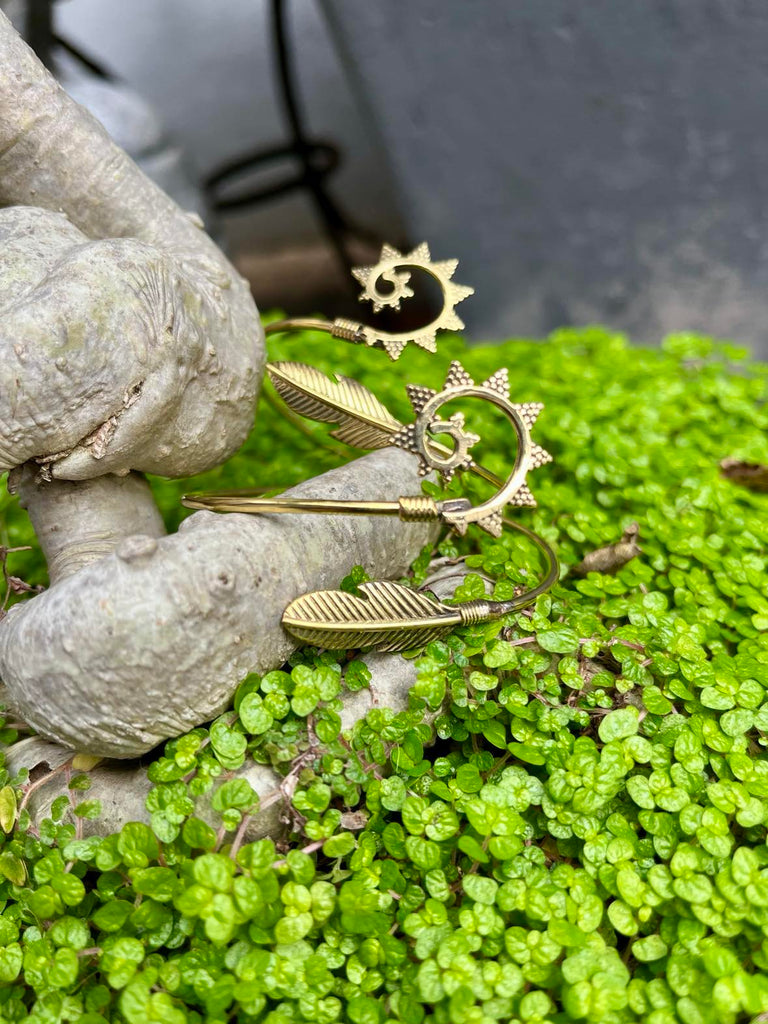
(349, 330)
(475, 611)
(418, 508)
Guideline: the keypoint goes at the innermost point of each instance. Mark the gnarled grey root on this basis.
(127, 340)
(152, 640)
(81, 521)
(122, 789)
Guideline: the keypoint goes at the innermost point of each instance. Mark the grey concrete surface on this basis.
(589, 161)
(207, 70)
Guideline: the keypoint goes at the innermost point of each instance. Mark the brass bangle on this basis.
(387, 616)
(383, 614)
(360, 413)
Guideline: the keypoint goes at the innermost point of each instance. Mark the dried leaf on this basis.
(753, 475)
(19, 586)
(353, 821)
(614, 556)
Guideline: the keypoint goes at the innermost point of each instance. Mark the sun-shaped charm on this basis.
(432, 454)
(393, 269)
(385, 270)
(418, 437)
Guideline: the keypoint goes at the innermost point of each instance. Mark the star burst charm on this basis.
(417, 437)
(392, 269)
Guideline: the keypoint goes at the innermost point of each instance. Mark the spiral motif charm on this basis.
(387, 283)
(415, 437)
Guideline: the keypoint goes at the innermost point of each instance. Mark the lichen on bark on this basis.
(129, 344)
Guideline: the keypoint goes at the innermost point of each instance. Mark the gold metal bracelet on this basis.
(415, 437)
(382, 614)
(387, 616)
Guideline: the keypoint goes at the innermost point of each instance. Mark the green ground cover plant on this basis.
(578, 835)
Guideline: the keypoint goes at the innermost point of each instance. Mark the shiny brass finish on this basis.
(415, 509)
(233, 501)
(390, 617)
(364, 420)
(385, 615)
(419, 509)
(386, 270)
(415, 437)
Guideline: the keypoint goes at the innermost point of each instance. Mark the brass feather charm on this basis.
(386, 615)
(390, 617)
(363, 421)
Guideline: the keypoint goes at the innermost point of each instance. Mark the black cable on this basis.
(330, 215)
(40, 34)
(316, 158)
(38, 29)
(88, 62)
(324, 156)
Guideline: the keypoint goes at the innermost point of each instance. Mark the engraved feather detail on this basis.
(363, 421)
(385, 615)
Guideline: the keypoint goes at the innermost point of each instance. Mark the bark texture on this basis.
(127, 340)
(153, 639)
(129, 344)
(122, 788)
(97, 513)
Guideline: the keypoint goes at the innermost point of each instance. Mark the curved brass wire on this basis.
(393, 342)
(387, 616)
(436, 446)
(298, 324)
(383, 614)
(456, 512)
(250, 503)
(552, 567)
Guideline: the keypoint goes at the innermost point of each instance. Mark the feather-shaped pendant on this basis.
(385, 615)
(363, 421)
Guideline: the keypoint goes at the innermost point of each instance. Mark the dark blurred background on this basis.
(587, 161)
